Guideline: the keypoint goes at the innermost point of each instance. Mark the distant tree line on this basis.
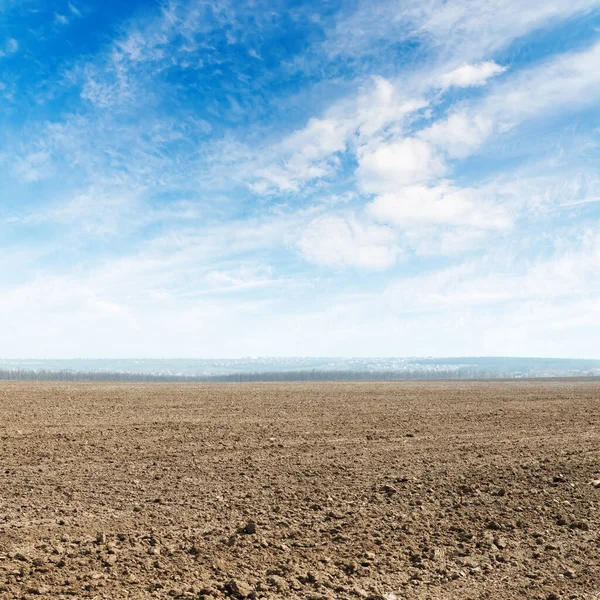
(303, 375)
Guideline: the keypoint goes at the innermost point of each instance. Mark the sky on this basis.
(190, 178)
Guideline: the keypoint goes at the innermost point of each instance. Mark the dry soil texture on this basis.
(383, 490)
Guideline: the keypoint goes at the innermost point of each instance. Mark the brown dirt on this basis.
(378, 490)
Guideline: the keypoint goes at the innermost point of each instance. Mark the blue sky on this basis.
(211, 178)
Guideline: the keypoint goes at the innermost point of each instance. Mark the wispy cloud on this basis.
(472, 75)
(10, 46)
(565, 83)
(342, 240)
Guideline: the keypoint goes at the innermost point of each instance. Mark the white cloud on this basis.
(405, 172)
(10, 47)
(500, 304)
(155, 304)
(33, 167)
(94, 213)
(342, 241)
(569, 81)
(106, 89)
(312, 152)
(460, 134)
(472, 75)
(463, 30)
(74, 9)
(173, 35)
(387, 166)
(372, 124)
(441, 204)
(448, 241)
(376, 108)
(306, 155)
(240, 279)
(319, 139)
(564, 83)
(566, 273)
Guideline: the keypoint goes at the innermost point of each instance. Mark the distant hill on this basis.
(296, 368)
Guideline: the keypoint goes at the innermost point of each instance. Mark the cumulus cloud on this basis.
(386, 166)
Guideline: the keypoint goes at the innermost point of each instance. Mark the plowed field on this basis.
(338, 490)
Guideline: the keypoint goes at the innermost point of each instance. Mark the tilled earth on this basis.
(320, 491)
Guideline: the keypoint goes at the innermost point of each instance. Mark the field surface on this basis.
(382, 490)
